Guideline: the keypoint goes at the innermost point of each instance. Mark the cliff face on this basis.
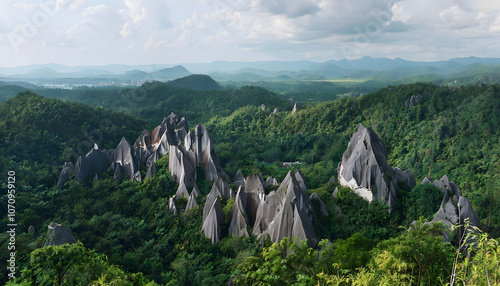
(364, 169)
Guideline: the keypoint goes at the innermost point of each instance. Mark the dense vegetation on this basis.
(196, 97)
(452, 131)
(127, 232)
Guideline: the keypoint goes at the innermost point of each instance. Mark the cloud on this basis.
(206, 30)
(290, 9)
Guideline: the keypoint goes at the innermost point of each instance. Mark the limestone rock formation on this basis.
(171, 205)
(364, 169)
(191, 203)
(465, 212)
(239, 179)
(455, 208)
(270, 181)
(196, 191)
(141, 150)
(254, 187)
(213, 219)
(58, 235)
(95, 162)
(336, 192)
(238, 225)
(137, 176)
(182, 191)
(314, 197)
(186, 151)
(182, 165)
(66, 173)
(123, 158)
(151, 171)
(221, 188)
(413, 100)
(288, 212)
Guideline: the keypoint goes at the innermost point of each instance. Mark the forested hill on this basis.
(431, 130)
(39, 134)
(196, 97)
(441, 131)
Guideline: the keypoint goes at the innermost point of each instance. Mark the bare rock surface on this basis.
(95, 162)
(58, 235)
(238, 225)
(364, 169)
(66, 174)
(288, 212)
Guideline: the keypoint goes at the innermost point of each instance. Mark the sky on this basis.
(96, 32)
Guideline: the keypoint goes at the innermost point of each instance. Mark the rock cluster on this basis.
(413, 100)
(186, 150)
(364, 169)
(286, 212)
(455, 208)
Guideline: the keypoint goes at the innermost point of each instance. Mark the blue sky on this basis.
(93, 32)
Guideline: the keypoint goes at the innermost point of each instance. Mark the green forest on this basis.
(127, 235)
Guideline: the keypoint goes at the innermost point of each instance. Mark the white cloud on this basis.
(205, 30)
(495, 26)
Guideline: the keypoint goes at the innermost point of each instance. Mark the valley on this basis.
(203, 196)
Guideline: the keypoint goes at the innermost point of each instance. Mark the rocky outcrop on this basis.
(95, 162)
(238, 225)
(221, 189)
(321, 205)
(199, 142)
(191, 203)
(364, 169)
(213, 218)
(270, 181)
(254, 188)
(66, 174)
(455, 209)
(413, 100)
(239, 179)
(58, 235)
(182, 191)
(171, 205)
(123, 158)
(288, 212)
(151, 171)
(186, 150)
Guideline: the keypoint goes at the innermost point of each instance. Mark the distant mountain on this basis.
(170, 73)
(195, 82)
(373, 68)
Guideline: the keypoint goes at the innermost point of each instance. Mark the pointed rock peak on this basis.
(364, 169)
(196, 191)
(303, 228)
(211, 222)
(182, 191)
(238, 225)
(171, 205)
(191, 203)
(301, 179)
(239, 179)
(254, 183)
(426, 181)
(322, 209)
(336, 192)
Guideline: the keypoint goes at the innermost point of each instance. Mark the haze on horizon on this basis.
(97, 32)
